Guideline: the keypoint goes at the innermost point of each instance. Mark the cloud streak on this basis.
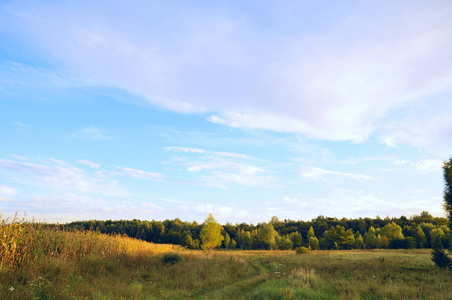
(338, 82)
(315, 173)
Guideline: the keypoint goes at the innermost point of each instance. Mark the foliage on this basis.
(439, 255)
(303, 250)
(447, 175)
(392, 231)
(338, 238)
(441, 259)
(227, 241)
(420, 238)
(359, 241)
(266, 236)
(314, 243)
(210, 235)
(402, 243)
(249, 236)
(296, 239)
(286, 244)
(171, 258)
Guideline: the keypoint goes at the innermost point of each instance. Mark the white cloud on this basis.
(337, 81)
(324, 175)
(7, 191)
(59, 175)
(88, 163)
(135, 173)
(202, 151)
(221, 179)
(186, 150)
(424, 166)
(223, 169)
(20, 157)
(95, 134)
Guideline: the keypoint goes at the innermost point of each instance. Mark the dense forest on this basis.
(420, 231)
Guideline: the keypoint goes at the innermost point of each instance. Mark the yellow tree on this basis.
(210, 235)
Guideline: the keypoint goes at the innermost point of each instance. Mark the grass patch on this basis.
(43, 263)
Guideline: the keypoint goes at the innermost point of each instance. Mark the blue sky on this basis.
(246, 109)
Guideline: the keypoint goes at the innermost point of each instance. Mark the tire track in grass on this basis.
(242, 288)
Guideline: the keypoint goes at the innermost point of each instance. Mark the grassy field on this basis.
(40, 263)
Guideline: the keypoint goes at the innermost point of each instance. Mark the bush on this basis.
(441, 259)
(171, 258)
(303, 250)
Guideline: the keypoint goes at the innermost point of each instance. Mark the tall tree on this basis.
(266, 235)
(227, 241)
(210, 235)
(447, 168)
(439, 256)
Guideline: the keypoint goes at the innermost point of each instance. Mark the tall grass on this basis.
(23, 242)
(44, 262)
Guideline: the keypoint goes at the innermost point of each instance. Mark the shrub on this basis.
(303, 250)
(441, 259)
(171, 258)
(439, 255)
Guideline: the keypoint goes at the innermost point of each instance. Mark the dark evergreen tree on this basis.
(447, 167)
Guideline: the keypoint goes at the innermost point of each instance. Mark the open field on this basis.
(45, 263)
(381, 274)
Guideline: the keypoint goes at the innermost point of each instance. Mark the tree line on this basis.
(419, 231)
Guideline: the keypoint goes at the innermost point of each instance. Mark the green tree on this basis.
(359, 241)
(286, 244)
(210, 235)
(314, 243)
(437, 236)
(392, 231)
(188, 242)
(310, 233)
(447, 169)
(371, 239)
(439, 256)
(227, 241)
(232, 244)
(419, 237)
(296, 239)
(266, 235)
(338, 238)
(427, 228)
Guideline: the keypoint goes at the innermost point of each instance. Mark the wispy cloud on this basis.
(425, 165)
(89, 163)
(140, 174)
(219, 169)
(19, 157)
(298, 84)
(202, 151)
(95, 134)
(60, 175)
(6, 192)
(20, 124)
(322, 174)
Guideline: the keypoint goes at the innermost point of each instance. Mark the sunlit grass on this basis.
(40, 262)
(23, 242)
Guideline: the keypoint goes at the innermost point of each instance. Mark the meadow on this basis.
(44, 263)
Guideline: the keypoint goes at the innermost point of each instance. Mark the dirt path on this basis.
(241, 289)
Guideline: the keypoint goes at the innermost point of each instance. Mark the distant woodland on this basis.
(420, 231)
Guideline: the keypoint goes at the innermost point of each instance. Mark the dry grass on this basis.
(304, 277)
(23, 242)
(39, 262)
